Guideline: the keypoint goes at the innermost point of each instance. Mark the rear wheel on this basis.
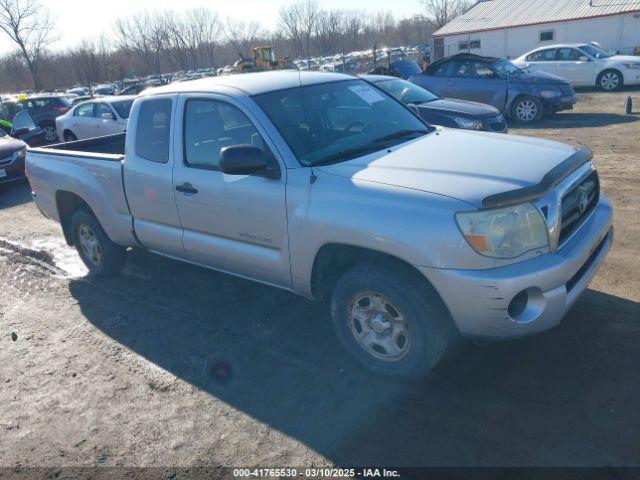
(527, 110)
(389, 322)
(101, 256)
(50, 133)
(609, 80)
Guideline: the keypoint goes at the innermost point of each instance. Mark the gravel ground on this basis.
(168, 364)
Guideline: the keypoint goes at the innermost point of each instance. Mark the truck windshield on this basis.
(334, 121)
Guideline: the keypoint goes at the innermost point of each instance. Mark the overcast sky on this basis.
(80, 19)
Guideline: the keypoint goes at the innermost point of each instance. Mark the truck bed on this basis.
(112, 146)
(89, 169)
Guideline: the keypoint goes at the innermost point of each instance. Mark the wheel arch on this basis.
(332, 260)
(67, 204)
(610, 69)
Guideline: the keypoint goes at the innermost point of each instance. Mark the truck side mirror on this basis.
(246, 159)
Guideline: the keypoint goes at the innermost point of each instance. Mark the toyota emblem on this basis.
(583, 201)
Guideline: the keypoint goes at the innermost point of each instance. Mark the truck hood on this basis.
(461, 164)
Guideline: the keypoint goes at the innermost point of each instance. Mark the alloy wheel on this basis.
(50, 134)
(610, 81)
(526, 110)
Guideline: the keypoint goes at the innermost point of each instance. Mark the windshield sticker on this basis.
(367, 93)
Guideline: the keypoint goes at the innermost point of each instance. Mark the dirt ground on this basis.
(168, 364)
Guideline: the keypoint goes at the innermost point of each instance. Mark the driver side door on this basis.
(233, 223)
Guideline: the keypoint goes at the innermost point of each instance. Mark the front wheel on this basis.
(526, 110)
(389, 322)
(101, 256)
(609, 80)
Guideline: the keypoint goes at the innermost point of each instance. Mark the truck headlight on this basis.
(468, 124)
(504, 232)
(19, 154)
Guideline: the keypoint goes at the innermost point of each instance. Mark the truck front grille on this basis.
(577, 205)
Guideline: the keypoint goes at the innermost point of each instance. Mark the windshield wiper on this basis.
(401, 134)
(346, 155)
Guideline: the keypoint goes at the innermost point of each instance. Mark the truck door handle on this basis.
(186, 188)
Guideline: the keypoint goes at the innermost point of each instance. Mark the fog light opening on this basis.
(518, 304)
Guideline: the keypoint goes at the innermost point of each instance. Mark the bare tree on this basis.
(29, 25)
(298, 22)
(443, 11)
(242, 36)
(145, 34)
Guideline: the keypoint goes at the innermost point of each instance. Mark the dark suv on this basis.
(44, 110)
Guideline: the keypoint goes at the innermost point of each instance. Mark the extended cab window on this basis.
(153, 129)
(209, 126)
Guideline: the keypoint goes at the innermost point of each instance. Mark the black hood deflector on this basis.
(550, 180)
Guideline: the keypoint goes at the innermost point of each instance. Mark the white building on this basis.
(509, 28)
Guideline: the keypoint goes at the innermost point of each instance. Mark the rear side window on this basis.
(152, 130)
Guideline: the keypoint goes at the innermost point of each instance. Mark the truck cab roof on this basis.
(251, 83)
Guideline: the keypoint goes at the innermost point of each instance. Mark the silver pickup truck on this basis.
(322, 184)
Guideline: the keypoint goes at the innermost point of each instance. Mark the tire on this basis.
(609, 80)
(414, 307)
(50, 133)
(70, 137)
(526, 110)
(101, 256)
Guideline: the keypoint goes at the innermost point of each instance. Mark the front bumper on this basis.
(478, 300)
(561, 103)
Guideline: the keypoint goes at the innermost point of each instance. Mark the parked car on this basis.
(12, 155)
(25, 129)
(44, 110)
(95, 118)
(400, 68)
(441, 111)
(13, 146)
(133, 90)
(326, 186)
(79, 91)
(106, 89)
(9, 109)
(519, 94)
(77, 100)
(583, 64)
